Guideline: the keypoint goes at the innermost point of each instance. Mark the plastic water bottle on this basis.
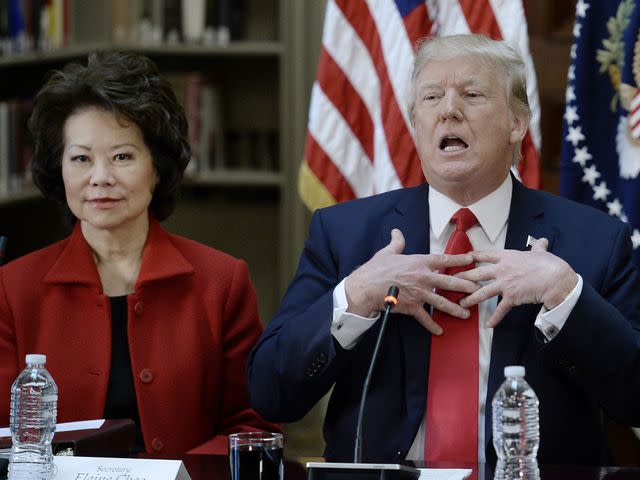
(34, 399)
(516, 428)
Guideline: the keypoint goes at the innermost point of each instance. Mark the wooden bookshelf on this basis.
(239, 179)
(65, 54)
(15, 198)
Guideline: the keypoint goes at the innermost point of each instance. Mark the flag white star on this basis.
(615, 207)
(576, 29)
(575, 135)
(591, 174)
(635, 239)
(571, 114)
(572, 72)
(581, 155)
(624, 218)
(601, 192)
(581, 8)
(574, 47)
(570, 95)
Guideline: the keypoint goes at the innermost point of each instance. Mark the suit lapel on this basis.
(526, 217)
(411, 217)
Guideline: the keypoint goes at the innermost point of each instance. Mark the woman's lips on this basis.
(104, 203)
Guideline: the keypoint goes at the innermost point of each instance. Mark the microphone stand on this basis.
(359, 470)
(390, 301)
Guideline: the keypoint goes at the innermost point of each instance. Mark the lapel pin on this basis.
(530, 241)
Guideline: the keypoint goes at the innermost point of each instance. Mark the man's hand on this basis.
(536, 276)
(415, 275)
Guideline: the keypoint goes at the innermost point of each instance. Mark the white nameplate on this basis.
(65, 427)
(92, 468)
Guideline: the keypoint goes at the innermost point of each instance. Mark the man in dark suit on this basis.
(567, 308)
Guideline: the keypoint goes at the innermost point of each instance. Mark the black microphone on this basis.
(359, 470)
(390, 301)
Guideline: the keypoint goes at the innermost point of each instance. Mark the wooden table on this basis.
(206, 467)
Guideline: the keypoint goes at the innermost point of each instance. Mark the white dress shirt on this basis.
(490, 233)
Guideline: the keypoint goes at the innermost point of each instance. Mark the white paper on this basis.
(86, 468)
(66, 427)
(444, 473)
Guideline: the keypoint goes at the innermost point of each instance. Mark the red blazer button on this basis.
(146, 375)
(157, 444)
(139, 308)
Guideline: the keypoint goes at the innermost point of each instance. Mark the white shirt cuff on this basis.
(550, 322)
(347, 328)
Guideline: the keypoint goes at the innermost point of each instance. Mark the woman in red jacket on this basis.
(135, 322)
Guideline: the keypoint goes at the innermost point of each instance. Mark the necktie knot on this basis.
(464, 219)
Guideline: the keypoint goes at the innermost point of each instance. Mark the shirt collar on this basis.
(491, 211)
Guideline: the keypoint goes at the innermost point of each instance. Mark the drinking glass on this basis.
(256, 456)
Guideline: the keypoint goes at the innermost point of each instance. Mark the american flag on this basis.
(359, 139)
(601, 149)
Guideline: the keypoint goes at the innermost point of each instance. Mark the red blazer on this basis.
(191, 322)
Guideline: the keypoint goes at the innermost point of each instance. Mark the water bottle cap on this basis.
(35, 359)
(514, 371)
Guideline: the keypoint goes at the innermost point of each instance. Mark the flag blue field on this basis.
(601, 140)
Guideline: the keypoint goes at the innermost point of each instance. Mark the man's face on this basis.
(465, 129)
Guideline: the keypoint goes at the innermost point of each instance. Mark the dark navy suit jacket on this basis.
(593, 364)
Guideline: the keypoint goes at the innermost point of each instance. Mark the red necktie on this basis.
(452, 395)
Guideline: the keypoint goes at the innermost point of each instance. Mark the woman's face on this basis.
(107, 170)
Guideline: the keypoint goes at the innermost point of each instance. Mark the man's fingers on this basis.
(480, 295)
(427, 322)
(486, 256)
(442, 261)
(454, 283)
(540, 245)
(396, 244)
(478, 274)
(501, 310)
(447, 306)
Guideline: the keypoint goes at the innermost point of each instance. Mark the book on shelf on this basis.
(172, 27)
(252, 149)
(211, 134)
(191, 95)
(203, 108)
(4, 148)
(16, 147)
(5, 38)
(193, 15)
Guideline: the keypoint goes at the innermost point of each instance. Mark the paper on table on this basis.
(66, 427)
(444, 473)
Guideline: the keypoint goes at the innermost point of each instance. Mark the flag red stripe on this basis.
(529, 166)
(401, 148)
(345, 98)
(324, 169)
(418, 24)
(480, 17)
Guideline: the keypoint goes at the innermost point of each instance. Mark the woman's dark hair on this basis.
(128, 85)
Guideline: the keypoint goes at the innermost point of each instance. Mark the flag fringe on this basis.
(312, 191)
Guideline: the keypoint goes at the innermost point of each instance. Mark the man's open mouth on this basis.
(452, 143)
